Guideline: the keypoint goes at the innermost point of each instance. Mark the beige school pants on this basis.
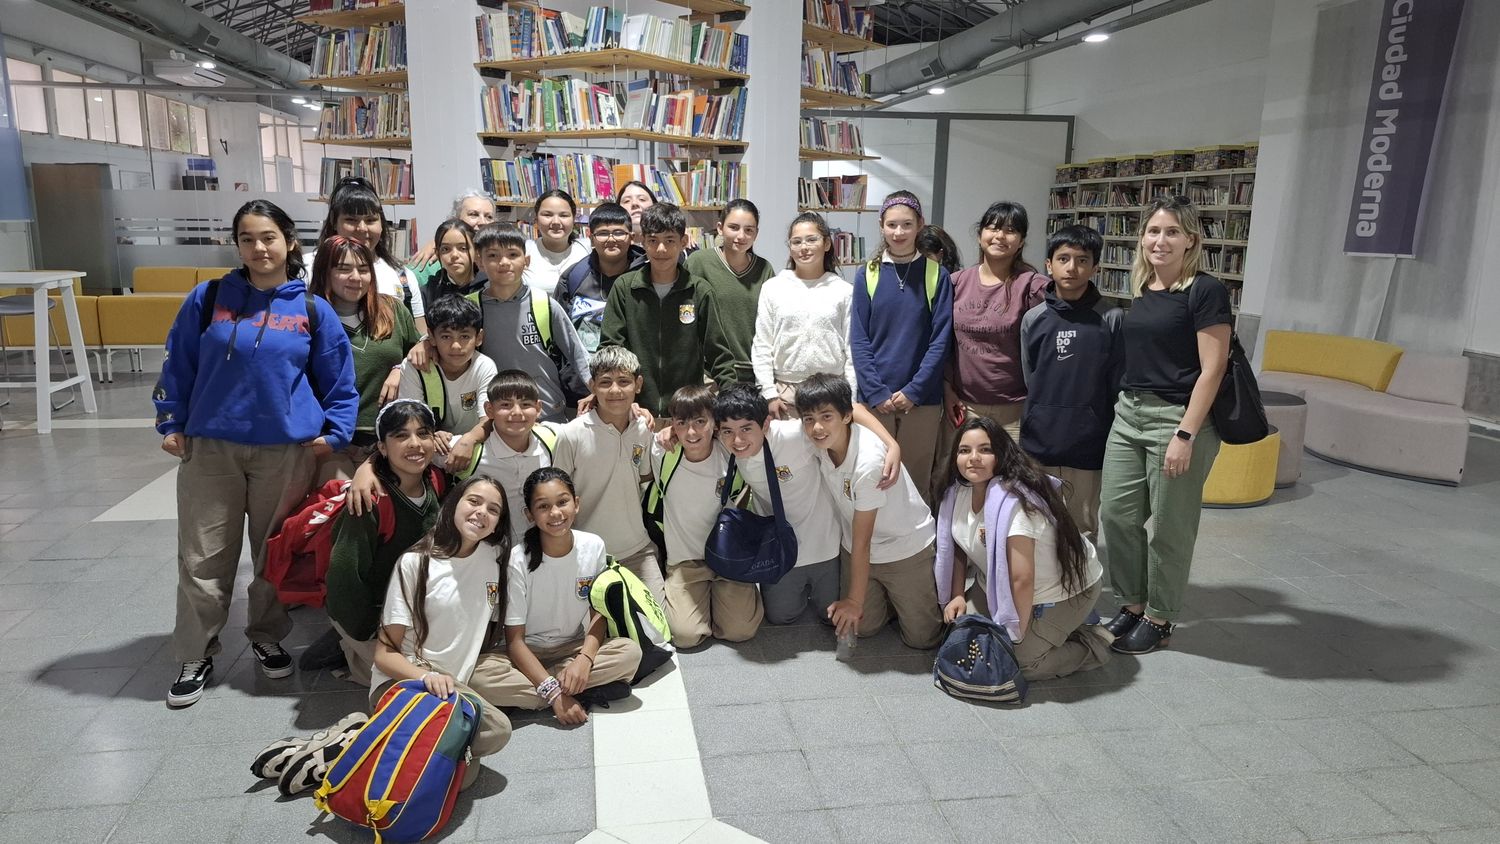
(644, 565)
(501, 683)
(359, 653)
(906, 590)
(1081, 491)
(222, 486)
(917, 433)
(1059, 643)
(491, 737)
(702, 604)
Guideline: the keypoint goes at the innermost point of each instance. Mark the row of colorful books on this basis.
(360, 52)
(823, 70)
(391, 177)
(523, 31)
(317, 6)
(832, 136)
(382, 116)
(839, 17)
(592, 179)
(565, 104)
(833, 192)
(848, 247)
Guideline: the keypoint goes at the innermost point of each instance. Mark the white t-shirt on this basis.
(465, 405)
(803, 495)
(968, 535)
(389, 280)
(511, 469)
(553, 601)
(462, 598)
(692, 502)
(904, 525)
(1048, 575)
(546, 266)
(607, 466)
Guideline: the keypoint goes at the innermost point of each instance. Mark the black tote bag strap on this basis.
(777, 509)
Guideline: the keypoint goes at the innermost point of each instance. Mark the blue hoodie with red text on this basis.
(259, 375)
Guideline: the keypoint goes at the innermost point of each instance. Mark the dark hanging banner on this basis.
(1412, 59)
(15, 200)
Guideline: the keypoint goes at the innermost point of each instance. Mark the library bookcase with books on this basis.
(667, 95)
(1109, 195)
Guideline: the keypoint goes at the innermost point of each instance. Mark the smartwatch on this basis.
(1183, 435)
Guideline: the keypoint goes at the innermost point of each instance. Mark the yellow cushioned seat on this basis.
(177, 280)
(136, 321)
(1243, 475)
(1369, 363)
(211, 273)
(18, 328)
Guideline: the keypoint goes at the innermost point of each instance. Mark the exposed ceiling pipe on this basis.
(1027, 54)
(198, 31)
(1017, 26)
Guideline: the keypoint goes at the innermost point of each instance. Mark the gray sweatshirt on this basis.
(512, 341)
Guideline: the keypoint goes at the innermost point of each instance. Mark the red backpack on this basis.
(297, 556)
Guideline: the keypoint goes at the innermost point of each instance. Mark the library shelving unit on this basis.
(607, 71)
(361, 15)
(1114, 204)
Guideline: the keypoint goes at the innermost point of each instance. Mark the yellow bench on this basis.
(1243, 475)
(132, 323)
(177, 280)
(1366, 363)
(18, 331)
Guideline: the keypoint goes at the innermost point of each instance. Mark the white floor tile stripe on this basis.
(84, 424)
(649, 785)
(154, 501)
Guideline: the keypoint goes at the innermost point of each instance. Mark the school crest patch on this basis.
(636, 452)
(783, 473)
(469, 400)
(848, 489)
(687, 314)
(584, 584)
(492, 593)
(981, 535)
(719, 487)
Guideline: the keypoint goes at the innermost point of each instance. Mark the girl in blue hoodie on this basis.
(899, 336)
(258, 382)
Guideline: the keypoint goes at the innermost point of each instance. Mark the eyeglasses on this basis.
(810, 240)
(613, 234)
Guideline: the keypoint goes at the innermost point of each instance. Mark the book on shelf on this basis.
(357, 118)
(697, 183)
(360, 52)
(822, 69)
(391, 177)
(838, 16)
(522, 179)
(833, 192)
(564, 104)
(839, 136)
(317, 6)
(848, 247)
(523, 31)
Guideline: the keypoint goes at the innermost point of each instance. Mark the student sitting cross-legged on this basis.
(684, 501)
(556, 652)
(454, 386)
(1003, 521)
(887, 534)
(440, 603)
(746, 430)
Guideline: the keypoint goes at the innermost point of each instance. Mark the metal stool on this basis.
(23, 305)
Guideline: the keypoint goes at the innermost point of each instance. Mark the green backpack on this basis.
(543, 431)
(620, 596)
(872, 280)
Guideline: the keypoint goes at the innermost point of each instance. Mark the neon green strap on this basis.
(872, 280)
(435, 391)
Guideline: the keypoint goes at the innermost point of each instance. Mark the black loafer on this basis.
(1122, 622)
(600, 696)
(1145, 637)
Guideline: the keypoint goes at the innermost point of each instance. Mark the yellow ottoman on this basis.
(1243, 475)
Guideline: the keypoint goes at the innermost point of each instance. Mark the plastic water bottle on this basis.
(847, 642)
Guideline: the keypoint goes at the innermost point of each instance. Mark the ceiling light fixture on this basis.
(299, 100)
(206, 65)
(1096, 38)
(938, 90)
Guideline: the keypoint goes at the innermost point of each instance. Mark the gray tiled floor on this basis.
(1337, 677)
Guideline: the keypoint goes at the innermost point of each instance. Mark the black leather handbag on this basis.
(1238, 415)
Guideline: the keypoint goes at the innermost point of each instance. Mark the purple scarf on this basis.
(1000, 505)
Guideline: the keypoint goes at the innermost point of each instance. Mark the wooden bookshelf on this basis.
(711, 7)
(614, 59)
(869, 209)
(382, 202)
(819, 98)
(810, 154)
(381, 143)
(514, 203)
(366, 82)
(356, 17)
(612, 134)
(838, 41)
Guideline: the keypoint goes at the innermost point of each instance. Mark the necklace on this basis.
(911, 261)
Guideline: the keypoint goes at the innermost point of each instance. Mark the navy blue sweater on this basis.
(1073, 359)
(898, 343)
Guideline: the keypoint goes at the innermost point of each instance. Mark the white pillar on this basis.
(445, 116)
(771, 125)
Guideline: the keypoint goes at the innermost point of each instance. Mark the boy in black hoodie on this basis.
(1073, 357)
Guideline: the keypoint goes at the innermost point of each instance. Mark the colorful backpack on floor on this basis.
(297, 556)
(401, 773)
(624, 600)
(977, 661)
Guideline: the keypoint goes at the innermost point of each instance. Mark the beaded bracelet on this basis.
(549, 689)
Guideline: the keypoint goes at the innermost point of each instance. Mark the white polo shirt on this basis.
(607, 466)
(807, 503)
(904, 523)
(553, 601)
(691, 507)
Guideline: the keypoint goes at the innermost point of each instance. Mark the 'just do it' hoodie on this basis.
(260, 374)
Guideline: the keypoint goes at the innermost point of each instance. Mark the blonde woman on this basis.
(1162, 443)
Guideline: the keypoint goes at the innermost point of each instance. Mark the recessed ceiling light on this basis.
(299, 100)
(937, 89)
(1096, 37)
(207, 65)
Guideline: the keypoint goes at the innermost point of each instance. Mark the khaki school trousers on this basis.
(1081, 492)
(359, 653)
(917, 433)
(1058, 643)
(222, 487)
(906, 590)
(501, 683)
(491, 737)
(702, 604)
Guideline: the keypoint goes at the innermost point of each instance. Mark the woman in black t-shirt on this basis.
(1162, 443)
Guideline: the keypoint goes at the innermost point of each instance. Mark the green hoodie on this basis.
(673, 336)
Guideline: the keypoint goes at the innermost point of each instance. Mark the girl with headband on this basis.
(899, 336)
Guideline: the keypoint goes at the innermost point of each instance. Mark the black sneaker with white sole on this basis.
(274, 661)
(190, 682)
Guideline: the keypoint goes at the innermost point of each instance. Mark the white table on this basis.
(40, 282)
